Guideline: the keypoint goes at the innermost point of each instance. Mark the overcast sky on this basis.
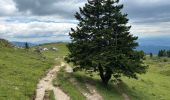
(51, 20)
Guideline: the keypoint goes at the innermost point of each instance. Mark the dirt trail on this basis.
(93, 95)
(46, 84)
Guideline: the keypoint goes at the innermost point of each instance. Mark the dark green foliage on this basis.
(102, 41)
(27, 46)
(168, 53)
(164, 53)
(151, 55)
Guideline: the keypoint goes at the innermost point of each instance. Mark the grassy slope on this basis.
(62, 50)
(20, 70)
(108, 93)
(154, 85)
(63, 80)
(5, 43)
(19, 73)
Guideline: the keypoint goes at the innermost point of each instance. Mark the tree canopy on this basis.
(102, 41)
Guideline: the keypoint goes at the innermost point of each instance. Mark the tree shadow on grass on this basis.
(132, 92)
(108, 92)
(112, 90)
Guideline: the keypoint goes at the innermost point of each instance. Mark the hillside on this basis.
(154, 85)
(20, 71)
(5, 44)
(62, 49)
(153, 44)
(22, 44)
(152, 49)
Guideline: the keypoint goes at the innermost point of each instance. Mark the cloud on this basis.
(61, 8)
(34, 30)
(7, 8)
(42, 20)
(147, 10)
(149, 18)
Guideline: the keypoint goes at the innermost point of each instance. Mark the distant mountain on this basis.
(152, 49)
(154, 44)
(155, 41)
(147, 44)
(22, 44)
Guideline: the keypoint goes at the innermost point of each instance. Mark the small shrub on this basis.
(165, 60)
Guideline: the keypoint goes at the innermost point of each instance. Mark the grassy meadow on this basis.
(21, 69)
(19, 73)
(61, 52)
(154, 85)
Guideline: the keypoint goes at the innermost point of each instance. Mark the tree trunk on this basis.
(105, 76)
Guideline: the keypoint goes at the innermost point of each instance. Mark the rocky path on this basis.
(93, 95)
(46, 84)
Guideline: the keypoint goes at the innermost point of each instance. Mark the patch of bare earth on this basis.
(94, 95)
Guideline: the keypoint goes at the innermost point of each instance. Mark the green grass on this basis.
(154, 85)
(63, 81)
(49, 95)
(107, 92)
(62, 50)
(20, 71)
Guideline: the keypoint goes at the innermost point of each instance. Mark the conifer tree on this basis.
(26, 45)
(162, 53)
(102, 41)
(168, 53)
(151, 55)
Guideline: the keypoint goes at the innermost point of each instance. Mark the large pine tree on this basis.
(102, 41)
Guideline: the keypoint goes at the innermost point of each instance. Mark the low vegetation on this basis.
(62, 50)
(20, 71)
(107, 92)
(49, 95)
(5, 43)
(154, 85)
(64, 82)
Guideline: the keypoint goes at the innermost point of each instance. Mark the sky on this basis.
(51, 20)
